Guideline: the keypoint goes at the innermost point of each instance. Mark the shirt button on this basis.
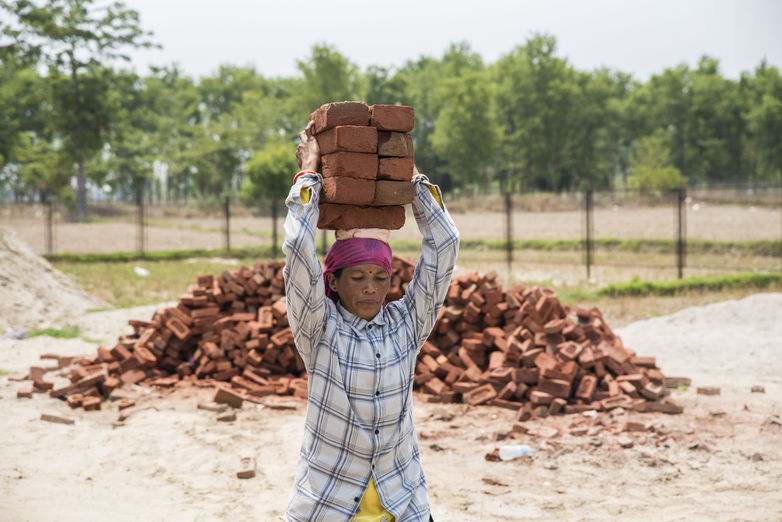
(377, 431)
(356, 499)
(377, 355)
(377, 394)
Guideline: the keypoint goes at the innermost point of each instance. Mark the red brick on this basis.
(395, 169)
(538, 397)
(80, 385)
(341, 113)
(398, 118)
(229, 397)
(652, 391)
(133, 376)
(74, 401)
(480, 395)
(557, 406)
(333, 217)
(350, 165)
(145, 357)
(586, 388)
(546, 361)
(349, 191)
(110, 384)
(43, 385)
(246, 468)
(633, 426)
(395, 144)
(391, 193)
(555, 387)
(501, 403)
(120, 353)
(348, 138)
(125, 404)
(91, 403)
(178, 327)
(24, 393)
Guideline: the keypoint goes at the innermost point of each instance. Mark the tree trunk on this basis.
(82, 213)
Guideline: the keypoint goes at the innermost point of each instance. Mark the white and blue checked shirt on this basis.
(360, 373)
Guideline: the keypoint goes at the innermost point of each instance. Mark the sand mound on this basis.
(34, 294)
(740, 338)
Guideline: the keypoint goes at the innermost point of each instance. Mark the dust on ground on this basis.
(720, 460)
(34, 294)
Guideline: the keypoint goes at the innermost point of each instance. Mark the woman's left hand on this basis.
(308, 152)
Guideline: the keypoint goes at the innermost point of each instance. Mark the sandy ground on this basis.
(714, 222)
(33, 294)
(177, 463)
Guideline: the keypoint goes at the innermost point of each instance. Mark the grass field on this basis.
(118, 284)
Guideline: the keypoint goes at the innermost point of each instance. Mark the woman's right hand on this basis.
(308, 152)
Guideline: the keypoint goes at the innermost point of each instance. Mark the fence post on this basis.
(274, 228)
(588, 225)
(140, 228)
(509, 229)
(228, 225)
(681, 244)
(49, 239)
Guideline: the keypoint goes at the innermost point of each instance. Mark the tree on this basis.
(269, 174)
(70, 37)
(538, 99)
(652, 168)
(465, 131)
(328, 77)
(762, 95)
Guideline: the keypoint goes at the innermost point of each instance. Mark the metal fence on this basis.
(735, 228)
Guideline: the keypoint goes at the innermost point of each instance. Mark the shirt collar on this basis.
(357, 323)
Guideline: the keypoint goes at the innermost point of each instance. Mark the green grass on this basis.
(636, 287)
(174, 255)
(767, 248)
(4, 372)
(760, 248)
(67, 332)
(117, 284)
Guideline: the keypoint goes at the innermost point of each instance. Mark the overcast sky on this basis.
(637, 36)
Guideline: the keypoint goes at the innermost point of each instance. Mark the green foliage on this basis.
(270, 172)
(652, 169)
(637, 287)
(529, 121)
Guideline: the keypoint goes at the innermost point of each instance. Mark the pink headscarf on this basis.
(352, 252)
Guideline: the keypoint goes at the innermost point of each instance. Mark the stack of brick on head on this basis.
(367, 165)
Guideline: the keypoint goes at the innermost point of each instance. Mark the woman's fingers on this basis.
(308, 129)
(303, 136)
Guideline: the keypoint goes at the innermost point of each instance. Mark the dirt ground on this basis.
(713, 222)
(720, 460)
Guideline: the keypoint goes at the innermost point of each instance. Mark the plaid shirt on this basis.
(359, 414)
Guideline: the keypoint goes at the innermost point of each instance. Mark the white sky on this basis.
(636, 36)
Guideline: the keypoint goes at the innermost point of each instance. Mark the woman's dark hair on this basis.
(338, 272)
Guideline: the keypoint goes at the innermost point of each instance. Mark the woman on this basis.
(359, 459)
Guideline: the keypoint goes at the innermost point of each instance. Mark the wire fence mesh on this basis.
(720, 229)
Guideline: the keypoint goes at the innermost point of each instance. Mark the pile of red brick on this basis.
(522, 349)
(519, 349)
(367, 164)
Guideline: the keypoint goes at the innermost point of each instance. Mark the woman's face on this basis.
(362, 289)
